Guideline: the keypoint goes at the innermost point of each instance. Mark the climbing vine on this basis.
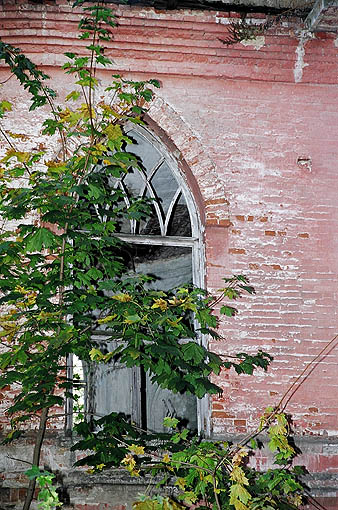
(63, 275)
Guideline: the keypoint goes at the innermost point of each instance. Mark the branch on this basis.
(36, 456)
(19, 460)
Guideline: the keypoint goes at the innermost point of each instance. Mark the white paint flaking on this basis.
(222, 20)
(335, 42)
(258, 42)
(304, 36)
(228, 21)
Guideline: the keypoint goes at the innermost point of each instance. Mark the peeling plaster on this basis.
(335, 42)
(304, 37)
(305, 162)
(225, 20)
(222, 20)
(258, 42)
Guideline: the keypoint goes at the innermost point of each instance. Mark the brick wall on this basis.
(255, 129)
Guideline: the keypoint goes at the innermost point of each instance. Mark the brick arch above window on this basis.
(196, 165)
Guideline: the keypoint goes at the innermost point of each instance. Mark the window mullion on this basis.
(158, 240)
(170, 209)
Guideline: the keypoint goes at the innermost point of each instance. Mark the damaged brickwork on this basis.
(254, 129)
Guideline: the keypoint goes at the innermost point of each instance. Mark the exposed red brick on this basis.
(216, 201)
(224, 223)
(218, 222)
(240, 423)
(221, 414)
(14, 495)
(237, 251)
(22, 494)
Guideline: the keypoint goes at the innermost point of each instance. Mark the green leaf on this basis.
(33, 472)
(248, 289)
(253, 444)
(170, 422)
(155, 83)
(95, 273)
(5, 106)
(205, 317)
(74, 95)
(238, 492)
(42, 238)
(96, 354)
(193, 351)
(229, 311)
(94, 191)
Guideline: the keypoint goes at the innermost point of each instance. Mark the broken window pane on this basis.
(170, 265)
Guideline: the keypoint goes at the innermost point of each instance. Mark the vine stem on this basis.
(45, 410)
(36, 456)
(54, 112)
(44, 413)
(7, 79)
(3, 132)
(215, 493)
(292, 389)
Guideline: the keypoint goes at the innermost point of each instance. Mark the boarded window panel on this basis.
(162, 403)
(112, 387)
(109, 385)
(172, 267)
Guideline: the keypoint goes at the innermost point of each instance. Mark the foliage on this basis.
(64, 275)
(30, 77)
(211, 474)
(47, 496)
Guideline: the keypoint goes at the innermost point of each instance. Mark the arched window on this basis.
(167, 245)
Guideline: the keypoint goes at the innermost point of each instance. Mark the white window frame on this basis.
(195, 242)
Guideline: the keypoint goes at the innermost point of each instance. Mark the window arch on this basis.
(175, 220)
(167, 245)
